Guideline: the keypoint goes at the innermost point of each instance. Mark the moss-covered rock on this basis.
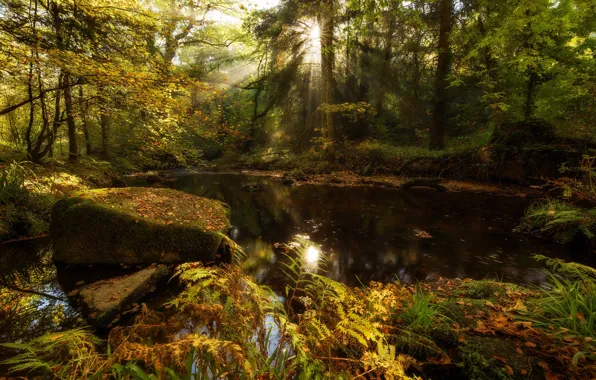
(138, 225)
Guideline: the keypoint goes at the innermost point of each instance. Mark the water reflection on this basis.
(31, 301)
(375, 233)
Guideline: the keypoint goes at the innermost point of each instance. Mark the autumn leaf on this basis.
(500, 358)
(509, 370)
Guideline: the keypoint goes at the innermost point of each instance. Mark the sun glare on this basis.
(313, 43)
(312, 254)
(315, 34)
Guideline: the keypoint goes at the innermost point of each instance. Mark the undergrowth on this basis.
(224, 325)
(23, 209)
(560, 220)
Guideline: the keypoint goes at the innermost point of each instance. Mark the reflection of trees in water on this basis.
(369, 233)
(31, 302)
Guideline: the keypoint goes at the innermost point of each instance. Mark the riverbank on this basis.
(36, 187)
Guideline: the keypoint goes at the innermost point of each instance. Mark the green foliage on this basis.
(25, 211)
(561, 220)
(569, 306)
(423, 314)
(479, 367)
(569, 270)
(66, 355)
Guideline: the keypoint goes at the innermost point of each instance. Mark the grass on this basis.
(422, 314)
(569, 304)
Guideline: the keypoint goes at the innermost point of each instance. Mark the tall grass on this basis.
(569, 306)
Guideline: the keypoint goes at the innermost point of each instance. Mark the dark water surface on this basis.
(366, 233)
(372, 233)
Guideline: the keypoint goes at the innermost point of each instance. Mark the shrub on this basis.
(23, 209)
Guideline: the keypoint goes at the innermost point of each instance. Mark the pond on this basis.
(366, 233)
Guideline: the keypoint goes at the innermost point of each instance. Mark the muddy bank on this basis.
(347, 178)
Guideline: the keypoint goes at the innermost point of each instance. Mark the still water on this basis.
(377, 234)
(367, 234)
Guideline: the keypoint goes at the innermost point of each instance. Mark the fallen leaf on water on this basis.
(423, 234)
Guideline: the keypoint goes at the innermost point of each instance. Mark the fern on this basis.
(66, 354)
(563, 221)
(570, 270)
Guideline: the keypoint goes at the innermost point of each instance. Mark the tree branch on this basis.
(27, 101)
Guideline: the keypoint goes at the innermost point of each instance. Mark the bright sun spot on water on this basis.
(312, 254)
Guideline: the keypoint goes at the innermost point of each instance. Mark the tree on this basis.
(439, 121)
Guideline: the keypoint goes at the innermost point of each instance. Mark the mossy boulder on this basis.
(139, 225)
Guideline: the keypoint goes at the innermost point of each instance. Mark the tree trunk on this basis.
(57, 118)
(437, 130)
(530, 95)
(73, 153)
(326, 26)
(105, 130)
(83, 110)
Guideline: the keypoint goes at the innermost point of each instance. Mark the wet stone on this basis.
(103, 301)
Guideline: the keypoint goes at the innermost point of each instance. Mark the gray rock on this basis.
(103, 301)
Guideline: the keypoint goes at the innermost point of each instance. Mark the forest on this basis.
(298, 189)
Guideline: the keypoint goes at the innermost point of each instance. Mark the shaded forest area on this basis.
(469, 89)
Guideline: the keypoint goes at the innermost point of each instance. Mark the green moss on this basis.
(463, 310)
(137, 225)
(481, 289)
(486, 358)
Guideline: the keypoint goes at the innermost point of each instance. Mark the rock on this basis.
(366, 170)
(287, 181)
(433, 183)
(253, 187)
(138, 225)
(153, 178)
(103, 301)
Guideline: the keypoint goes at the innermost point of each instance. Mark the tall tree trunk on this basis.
(83, 110)
(530, 95)
(380, 82)
(491, 64)
(73, 153)
(104, 121)
(437, 130)
(57, 118)
(326, 26)
(31, 113)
